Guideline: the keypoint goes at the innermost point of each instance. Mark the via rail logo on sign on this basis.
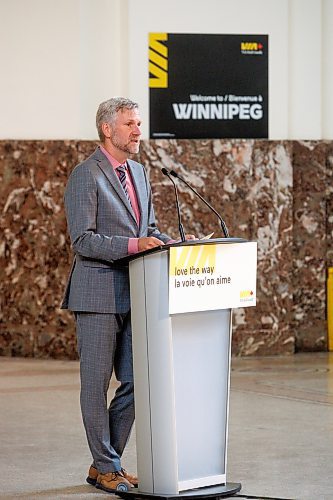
(252, 48)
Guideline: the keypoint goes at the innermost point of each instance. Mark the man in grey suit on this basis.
(110, 215)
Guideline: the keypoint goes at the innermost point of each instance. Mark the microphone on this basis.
(181, 229)
(223, 225)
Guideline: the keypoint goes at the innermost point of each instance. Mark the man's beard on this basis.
(126, 148)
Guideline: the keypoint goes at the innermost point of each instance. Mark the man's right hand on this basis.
(146, 243)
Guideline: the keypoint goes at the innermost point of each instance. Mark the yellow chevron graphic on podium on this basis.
(158, 60)
(199, 256)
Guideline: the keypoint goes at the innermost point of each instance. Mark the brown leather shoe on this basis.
(93, 473)
(113, 482)
(130, 478)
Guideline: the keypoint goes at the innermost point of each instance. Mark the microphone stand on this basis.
(181, 229)
(223, 225)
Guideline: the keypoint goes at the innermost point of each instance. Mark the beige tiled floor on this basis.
(280, 432)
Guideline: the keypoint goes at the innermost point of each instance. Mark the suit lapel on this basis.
(109, 172)
(139, 184)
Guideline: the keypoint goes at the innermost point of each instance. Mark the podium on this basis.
(181, 300)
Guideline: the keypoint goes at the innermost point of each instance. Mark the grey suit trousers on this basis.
(104, 345)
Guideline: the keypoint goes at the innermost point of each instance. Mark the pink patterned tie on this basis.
(122, 177)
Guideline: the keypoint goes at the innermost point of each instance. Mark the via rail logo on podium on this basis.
(247, 296)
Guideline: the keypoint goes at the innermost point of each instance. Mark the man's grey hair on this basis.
(108, 110)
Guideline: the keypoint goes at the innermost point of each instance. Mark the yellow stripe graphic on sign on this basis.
(199, 256)
(158, 60)
(155, 58)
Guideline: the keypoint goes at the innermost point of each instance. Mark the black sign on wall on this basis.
(208, 86)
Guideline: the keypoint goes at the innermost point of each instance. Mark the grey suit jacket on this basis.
(100, 222)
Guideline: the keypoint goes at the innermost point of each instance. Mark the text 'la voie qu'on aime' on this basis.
(199, 282)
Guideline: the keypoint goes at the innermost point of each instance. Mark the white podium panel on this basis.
(201, 344)
(153, 375)
(181, 377)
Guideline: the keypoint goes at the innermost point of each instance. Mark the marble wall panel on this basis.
(34, 252)
(329, 204)
(277, 193)
(310, 244)
(250, 184)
